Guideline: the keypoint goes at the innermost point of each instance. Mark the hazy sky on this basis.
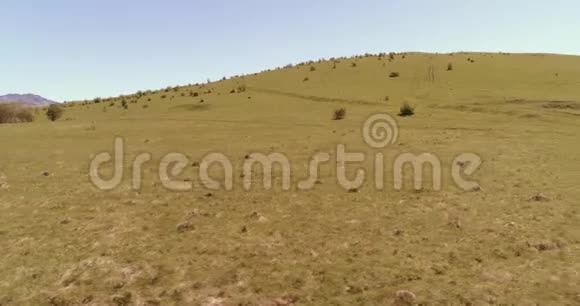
(73, 49)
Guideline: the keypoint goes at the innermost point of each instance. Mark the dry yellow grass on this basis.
(67, 243)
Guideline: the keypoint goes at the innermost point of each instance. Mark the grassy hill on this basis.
(516, 240)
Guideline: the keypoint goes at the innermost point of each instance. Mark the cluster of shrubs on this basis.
(15, 113)
(239, 89)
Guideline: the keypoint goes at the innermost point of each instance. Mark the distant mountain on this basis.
(27, 99)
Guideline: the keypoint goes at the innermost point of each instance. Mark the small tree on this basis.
(449, 67)
(124, 104)
(54, 112)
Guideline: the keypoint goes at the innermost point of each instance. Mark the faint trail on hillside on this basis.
(233, 121)
(422, 80)
(312, 98)
(431, 74)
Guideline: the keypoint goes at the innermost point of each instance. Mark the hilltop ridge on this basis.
(26, 99)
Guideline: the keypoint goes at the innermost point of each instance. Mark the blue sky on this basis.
(71, 49)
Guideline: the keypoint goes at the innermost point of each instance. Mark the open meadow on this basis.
(513, 240)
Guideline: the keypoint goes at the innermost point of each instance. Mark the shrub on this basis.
(306, 79)
(449, 67)
(24, 115)
(312, 68)
(353, 65)
(54, 112)
(97, 100)
(15, 113)
(394, 75)
(406, 110)
(339, 114)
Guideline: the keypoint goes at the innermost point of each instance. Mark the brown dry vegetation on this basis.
(15, 113)
(516, 240)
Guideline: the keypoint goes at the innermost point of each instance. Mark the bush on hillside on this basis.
(406, 110)
(394, 75)
(54, 112)
(339, 114)
(14, 113)
(449, 67)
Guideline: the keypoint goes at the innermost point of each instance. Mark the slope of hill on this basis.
(27, 99)
(513, 240)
